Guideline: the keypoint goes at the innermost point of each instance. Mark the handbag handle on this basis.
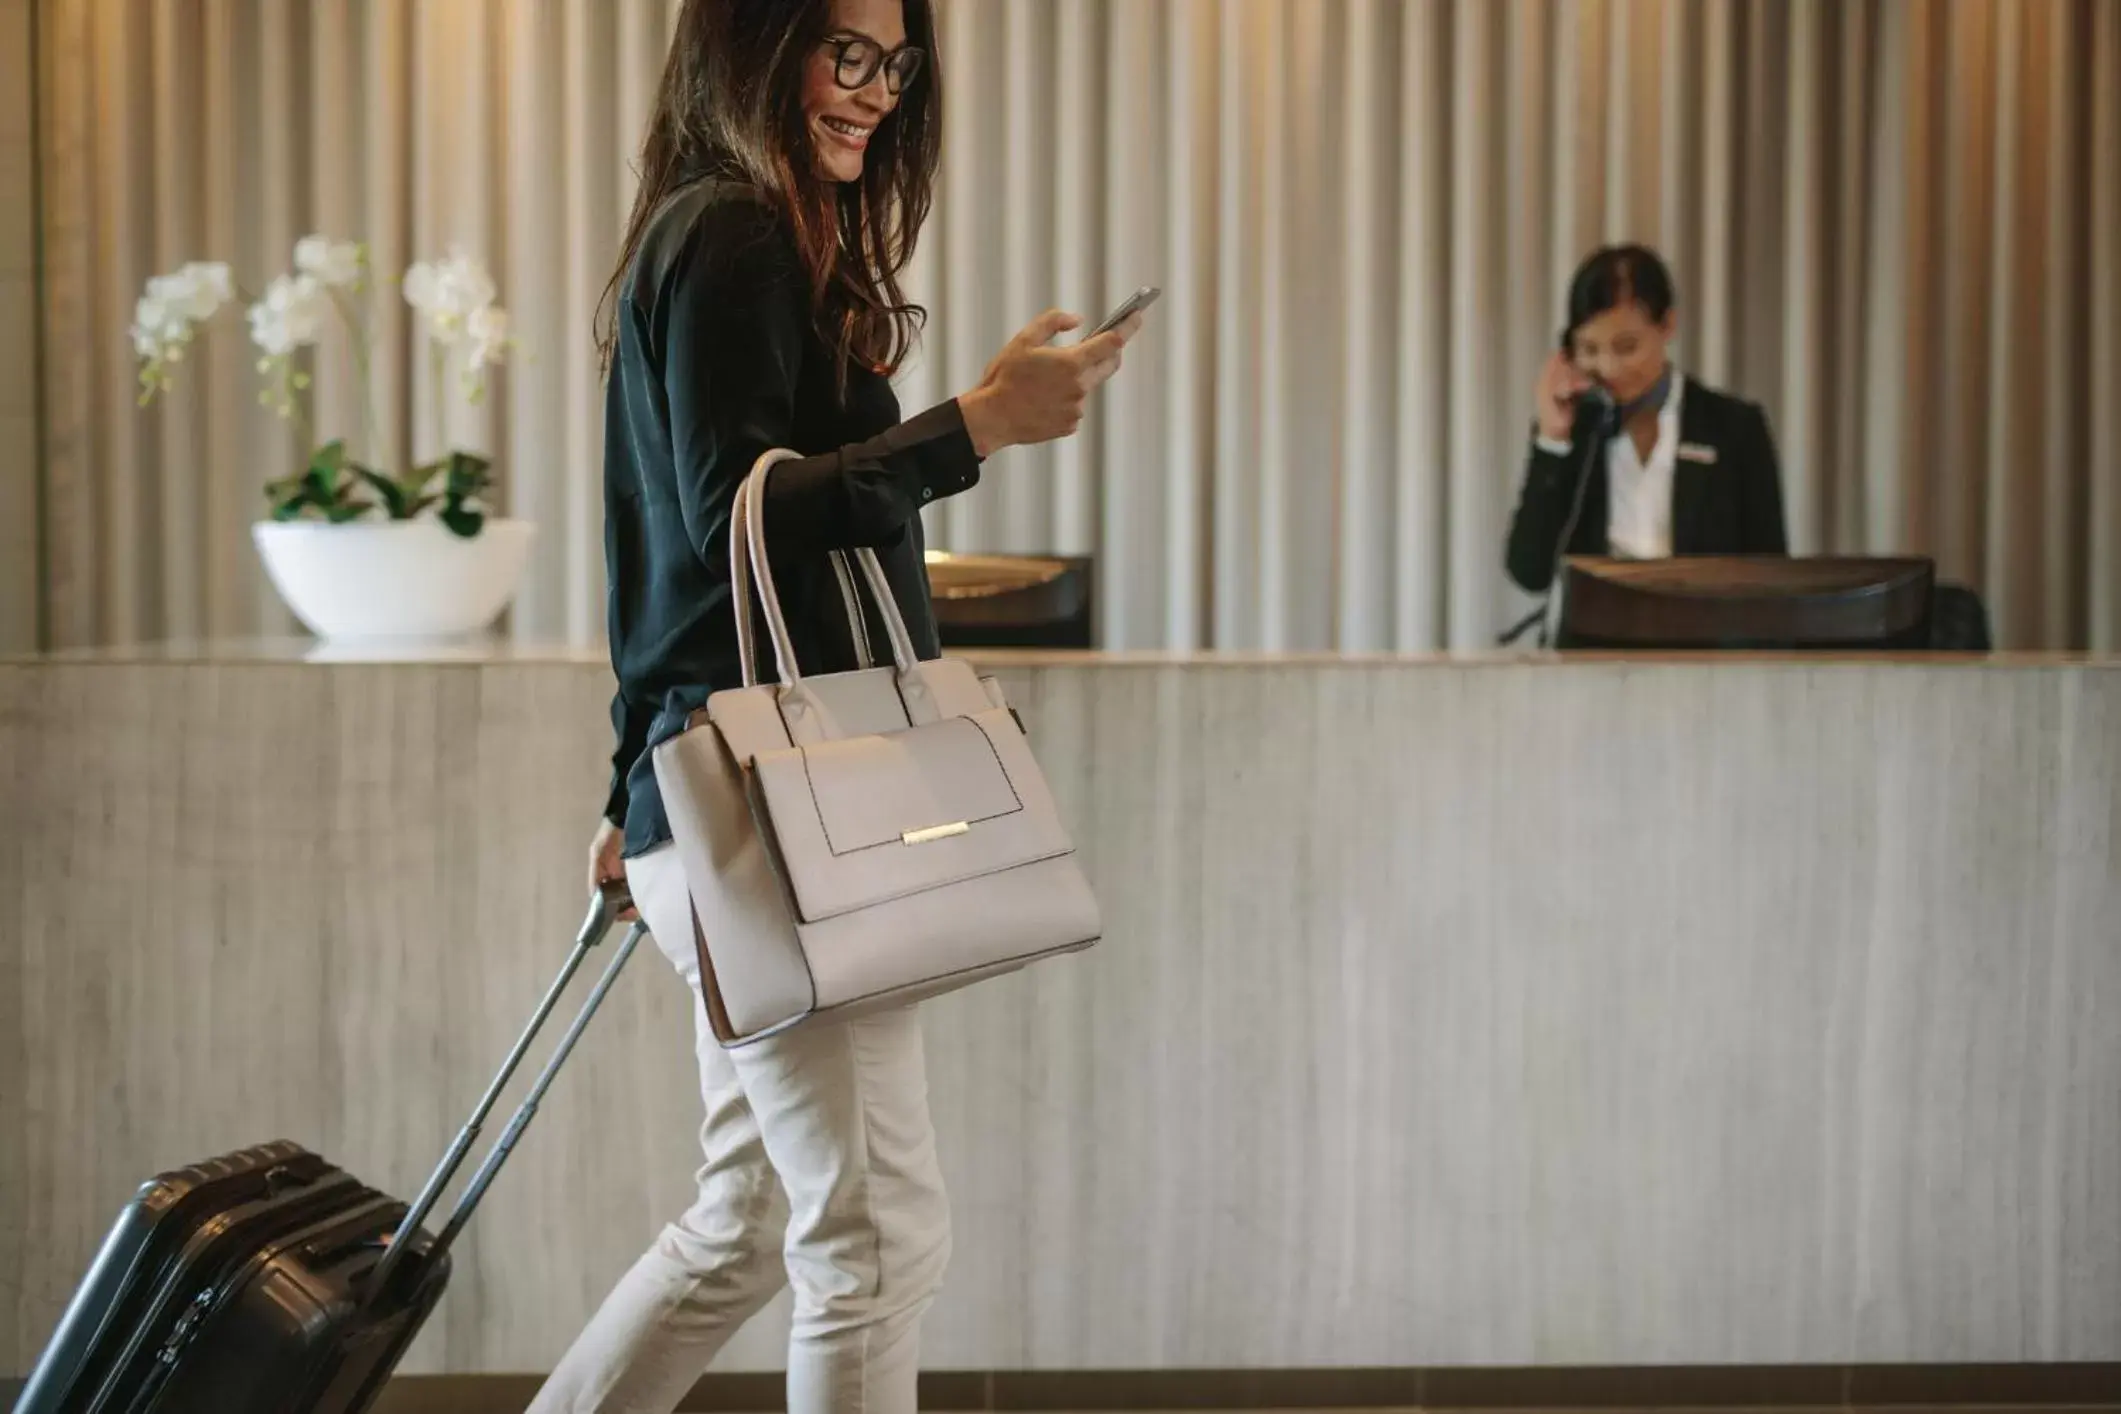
(857, 622)
(748, 559)
(776, 622)
(747, 647)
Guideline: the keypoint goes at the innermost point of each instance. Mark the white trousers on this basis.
(819, 1170)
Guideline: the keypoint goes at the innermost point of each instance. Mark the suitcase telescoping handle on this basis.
(610, 900)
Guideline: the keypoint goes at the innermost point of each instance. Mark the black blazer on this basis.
(1731, 506)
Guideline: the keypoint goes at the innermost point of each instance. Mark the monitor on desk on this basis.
(1747, 602)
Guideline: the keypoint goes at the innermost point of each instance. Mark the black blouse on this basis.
(717, 361)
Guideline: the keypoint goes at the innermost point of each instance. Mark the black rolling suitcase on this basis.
(270, 1281)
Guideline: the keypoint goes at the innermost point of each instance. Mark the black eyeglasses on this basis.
(857, 58)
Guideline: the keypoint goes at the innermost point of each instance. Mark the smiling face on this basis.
(1624, 348)
(852, 82)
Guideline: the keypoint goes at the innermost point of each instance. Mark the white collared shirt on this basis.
(1639, 491)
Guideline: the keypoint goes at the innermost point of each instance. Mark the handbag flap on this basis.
(867, 819)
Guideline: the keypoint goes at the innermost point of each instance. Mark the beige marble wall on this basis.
(18, 338)
(1551, 1013)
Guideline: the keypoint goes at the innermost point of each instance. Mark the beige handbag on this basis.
(863, 839)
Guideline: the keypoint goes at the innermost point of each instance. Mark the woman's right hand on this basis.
(1036, 392)
(605, 863)
(1561, 383)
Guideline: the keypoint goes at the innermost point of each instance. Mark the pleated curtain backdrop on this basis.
(1897, 224)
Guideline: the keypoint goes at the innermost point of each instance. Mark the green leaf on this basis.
(396, 500)
(291, 495)
(469, 474)
(416, 482)
(461, 521)
(327, 466)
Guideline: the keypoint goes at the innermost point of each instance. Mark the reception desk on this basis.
(1531, 1011)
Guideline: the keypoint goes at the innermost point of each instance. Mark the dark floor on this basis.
(2011, 1389)
(2035, 1389)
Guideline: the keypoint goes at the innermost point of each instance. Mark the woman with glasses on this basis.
(784, 179)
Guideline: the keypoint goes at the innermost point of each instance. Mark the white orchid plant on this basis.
(454, 299)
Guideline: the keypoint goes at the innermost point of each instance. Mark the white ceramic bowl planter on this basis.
(396, 579)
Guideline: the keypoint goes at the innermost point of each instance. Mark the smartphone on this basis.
(1135, 303)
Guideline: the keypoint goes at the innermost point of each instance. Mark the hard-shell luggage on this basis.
(270, 1281)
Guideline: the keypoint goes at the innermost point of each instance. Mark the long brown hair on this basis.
(731, 104)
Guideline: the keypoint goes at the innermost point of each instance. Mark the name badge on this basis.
(1697, 452)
